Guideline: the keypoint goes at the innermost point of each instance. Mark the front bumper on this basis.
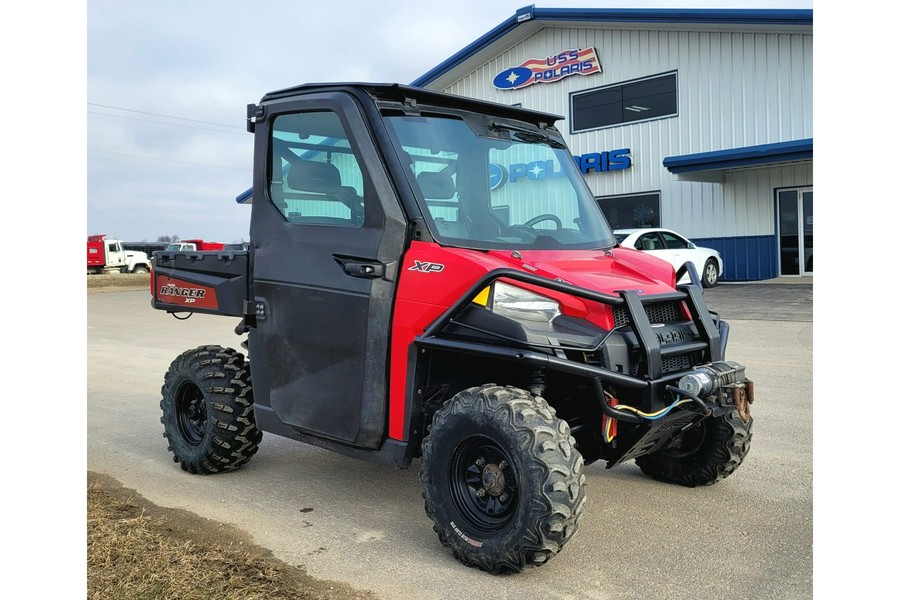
(641, 360)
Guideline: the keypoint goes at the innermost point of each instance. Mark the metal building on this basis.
(694, 120)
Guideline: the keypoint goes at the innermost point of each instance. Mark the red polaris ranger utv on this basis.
(429, 278)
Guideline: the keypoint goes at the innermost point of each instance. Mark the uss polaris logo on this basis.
(550, 69)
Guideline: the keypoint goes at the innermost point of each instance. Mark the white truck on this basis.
(109, 256)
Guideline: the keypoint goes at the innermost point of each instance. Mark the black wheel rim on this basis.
(190, 408)
(483, 483)
(686, 443)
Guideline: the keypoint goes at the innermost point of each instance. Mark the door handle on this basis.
(364, 269)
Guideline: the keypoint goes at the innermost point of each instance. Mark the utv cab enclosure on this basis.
(430, 279)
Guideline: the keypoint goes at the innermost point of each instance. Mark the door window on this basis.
(674, 242)
(315, 178)
(650, 241)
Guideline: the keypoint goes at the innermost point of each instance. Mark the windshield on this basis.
(506, 187)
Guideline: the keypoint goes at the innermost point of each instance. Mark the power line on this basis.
(142, 112)
(182, 162)
(241, 132)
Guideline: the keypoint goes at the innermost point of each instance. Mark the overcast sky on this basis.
(168, 82)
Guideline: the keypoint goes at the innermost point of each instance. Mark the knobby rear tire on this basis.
(207, 410)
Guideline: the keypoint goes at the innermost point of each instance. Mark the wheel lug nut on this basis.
(479, 461)
(480, 493)
(503, 497)
(502, 465)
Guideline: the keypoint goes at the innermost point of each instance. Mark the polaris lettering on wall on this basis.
(550, 69)
(600, 162)
(614, 160)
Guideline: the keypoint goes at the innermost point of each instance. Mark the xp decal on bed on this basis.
(398, 307)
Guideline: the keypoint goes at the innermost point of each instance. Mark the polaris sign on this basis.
(614, 160)
(550, 69)
(599, 162)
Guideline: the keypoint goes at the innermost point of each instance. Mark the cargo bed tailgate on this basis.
(205, 282)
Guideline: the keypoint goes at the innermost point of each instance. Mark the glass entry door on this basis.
(795, 231)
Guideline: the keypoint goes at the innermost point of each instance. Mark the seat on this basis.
(436, 185)
(439, 191)
(322, 181)
(648, 243)
(349, 197)
(316, 177)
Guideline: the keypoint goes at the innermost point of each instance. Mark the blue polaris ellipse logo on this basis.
(512, 78)
(498, 175)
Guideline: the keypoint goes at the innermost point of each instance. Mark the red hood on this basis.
(598, 270)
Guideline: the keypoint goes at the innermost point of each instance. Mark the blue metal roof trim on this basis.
(677, 15)
(741, 157)
(605, 15)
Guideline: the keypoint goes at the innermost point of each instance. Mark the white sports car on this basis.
(676, 250)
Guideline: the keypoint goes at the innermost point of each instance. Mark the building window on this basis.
(640, 100)
(631, 211)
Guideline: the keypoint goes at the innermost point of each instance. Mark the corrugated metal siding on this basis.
(750, 195)
(735, 89)
(749, 258)
(750, 198)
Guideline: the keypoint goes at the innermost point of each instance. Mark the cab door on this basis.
(327, 235)
(115, 254)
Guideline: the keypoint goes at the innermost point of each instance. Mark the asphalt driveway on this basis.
(762, 301)
(748, 537)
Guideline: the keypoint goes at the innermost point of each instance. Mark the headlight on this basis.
(515, 303)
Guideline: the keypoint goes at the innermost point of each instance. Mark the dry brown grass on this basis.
(139, 551)
(117, 282)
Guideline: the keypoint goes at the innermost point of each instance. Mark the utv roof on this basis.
(402, 93)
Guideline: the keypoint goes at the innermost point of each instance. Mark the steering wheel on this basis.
(541, 218)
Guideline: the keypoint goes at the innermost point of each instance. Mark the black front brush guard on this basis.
(709, 334)
(654, 385)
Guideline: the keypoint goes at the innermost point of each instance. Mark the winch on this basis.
(703, 381)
